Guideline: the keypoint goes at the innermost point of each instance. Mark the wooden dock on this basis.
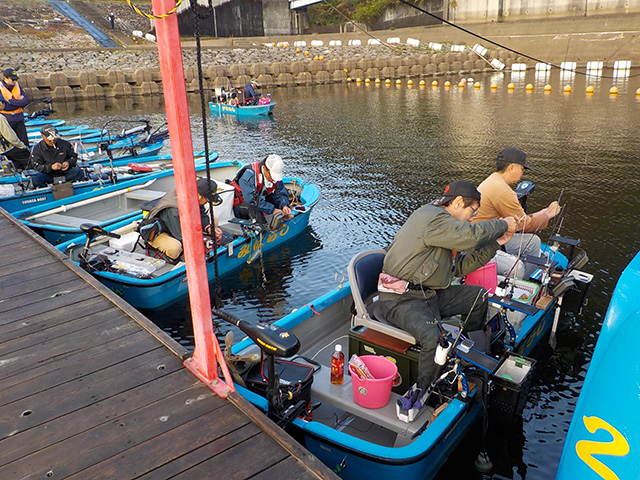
(90, 388)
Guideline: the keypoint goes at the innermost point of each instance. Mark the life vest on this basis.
(257, 170)
(8, 95)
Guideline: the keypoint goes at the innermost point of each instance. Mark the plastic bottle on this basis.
(337, 365)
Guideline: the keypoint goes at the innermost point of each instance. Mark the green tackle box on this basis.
(365, 341)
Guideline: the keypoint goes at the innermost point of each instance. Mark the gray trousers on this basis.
(420, 318)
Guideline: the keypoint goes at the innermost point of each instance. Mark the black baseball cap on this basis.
(10, 73)
(513, 155)
(49, 132)
(208, 188)
(459, 188)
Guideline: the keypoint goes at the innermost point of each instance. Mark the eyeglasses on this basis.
(475, 211)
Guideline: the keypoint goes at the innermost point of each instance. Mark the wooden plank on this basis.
(45, 293)
(50, 318)
(36, 308)
(21, 361)
(70, 396)
(61, 330)
(290, 467)
(264, 453)
(60, 281)
(41, 271)
(217, 430)
(51, 374)
(186, 461)
(8, 272)
(115, 437)
(66, 426)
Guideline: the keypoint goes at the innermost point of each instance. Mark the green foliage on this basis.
(365, 11)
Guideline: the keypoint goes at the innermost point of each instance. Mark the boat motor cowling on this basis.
(272, 339)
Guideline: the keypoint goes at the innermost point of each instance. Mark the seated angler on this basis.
(54, 157)
(11, 146)
(422, 255)
(250, 95)
(169, 239)
(500, 200)
(260, 193)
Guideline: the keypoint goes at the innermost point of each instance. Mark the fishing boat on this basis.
(604, 438)
(17, 192)
(151, 283)
(393, 441)
(60, 220)
(232, 103)
(69, 133)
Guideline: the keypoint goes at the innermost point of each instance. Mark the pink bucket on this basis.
(486, 277)
(374, 392)
(264, 101)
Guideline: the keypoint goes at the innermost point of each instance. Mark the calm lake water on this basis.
(377, 153)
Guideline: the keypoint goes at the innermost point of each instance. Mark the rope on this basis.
(164, 15)
(217, 298)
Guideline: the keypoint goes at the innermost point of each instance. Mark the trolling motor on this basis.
(523, 190)
(274, 341)
(98, 262)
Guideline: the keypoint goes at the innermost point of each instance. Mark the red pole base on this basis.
(216, 384)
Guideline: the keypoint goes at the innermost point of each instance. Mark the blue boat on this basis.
(16, 192)
(151, 283)
(42, 121)
(359, 442)
(604, 437)
(241, 111)
(69, 133)
(60, 220)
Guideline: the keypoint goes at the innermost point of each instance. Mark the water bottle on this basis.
(337, 365)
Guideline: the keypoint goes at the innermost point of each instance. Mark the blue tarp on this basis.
(67, 10)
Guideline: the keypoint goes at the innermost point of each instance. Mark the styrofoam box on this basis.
(125, 242)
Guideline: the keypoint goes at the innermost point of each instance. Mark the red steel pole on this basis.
(203, 362)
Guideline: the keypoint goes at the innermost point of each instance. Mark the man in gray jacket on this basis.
(11, 146)
(422, 254)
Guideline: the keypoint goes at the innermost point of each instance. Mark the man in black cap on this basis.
(500, 200)
(422, 255)
(250, 94)
(12, 103)
(54, 157)
(169, 237)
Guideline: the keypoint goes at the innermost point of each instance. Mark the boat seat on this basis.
(144, 194)
(363, 272)
(65, 220)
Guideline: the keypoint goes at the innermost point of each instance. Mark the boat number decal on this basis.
(536, 333)
(587, 448)
(246, 248)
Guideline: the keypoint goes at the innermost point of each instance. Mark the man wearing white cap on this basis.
(259, 191)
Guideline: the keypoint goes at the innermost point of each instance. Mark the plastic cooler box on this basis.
(374, 392)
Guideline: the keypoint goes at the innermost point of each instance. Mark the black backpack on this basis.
(150, 228)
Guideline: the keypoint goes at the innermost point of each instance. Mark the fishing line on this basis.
(502, 45)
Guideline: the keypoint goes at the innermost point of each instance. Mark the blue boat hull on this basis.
(241, 112)
(604, 437)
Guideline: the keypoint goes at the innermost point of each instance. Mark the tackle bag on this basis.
(295, 379)
(150, 228)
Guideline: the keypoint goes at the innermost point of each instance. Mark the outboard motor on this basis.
(97, 262)
(274, 341)
(523, 190)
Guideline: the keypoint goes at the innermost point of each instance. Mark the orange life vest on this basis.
(8, 95)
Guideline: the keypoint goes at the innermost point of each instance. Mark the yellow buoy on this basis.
(345, 70)
(387, 81)
(316, 57)
(462, 84)
(377, 81)
(547, 88)
(476, 85)
(422, 83)
(638, 92)
(447, 84)
(410, 82)
(321, 58)
(567, 89)
(298, 50)
(306, 52)
(613, 91)
(434, 83)
(358, 80)
(511, 86)
(349, 79)
(367, 80)
(529, 87)
(494, 86)
(590, 90)
(398, 82)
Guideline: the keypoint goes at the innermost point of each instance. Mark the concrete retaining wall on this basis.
(119, 84)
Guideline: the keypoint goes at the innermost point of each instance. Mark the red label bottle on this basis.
(337, 365)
